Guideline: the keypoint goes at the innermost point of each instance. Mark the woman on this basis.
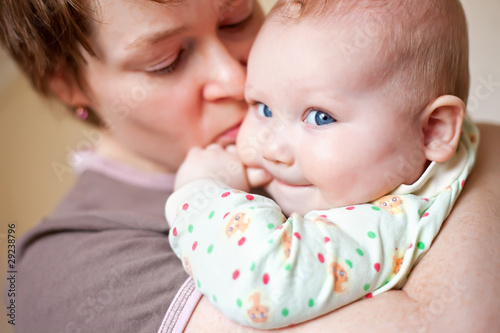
(161, 77)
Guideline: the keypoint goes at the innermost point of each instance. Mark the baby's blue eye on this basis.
(264, 110)
(319, 118)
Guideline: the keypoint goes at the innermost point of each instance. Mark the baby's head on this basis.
(351, 98)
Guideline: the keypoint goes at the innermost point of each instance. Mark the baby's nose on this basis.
(279, 153)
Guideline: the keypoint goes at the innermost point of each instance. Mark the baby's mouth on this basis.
(288, 184)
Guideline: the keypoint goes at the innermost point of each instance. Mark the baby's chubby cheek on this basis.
(248, 145)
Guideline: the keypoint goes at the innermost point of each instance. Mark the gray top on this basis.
(101, 263)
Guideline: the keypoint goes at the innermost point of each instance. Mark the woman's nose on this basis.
(225, 74)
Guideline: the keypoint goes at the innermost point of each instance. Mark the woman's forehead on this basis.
(125, 24)
(144, 12)
(219, 5)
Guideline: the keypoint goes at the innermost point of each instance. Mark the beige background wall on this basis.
(36, 136)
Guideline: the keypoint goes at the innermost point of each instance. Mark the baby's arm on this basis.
(265, 273)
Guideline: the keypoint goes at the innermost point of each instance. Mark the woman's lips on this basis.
(229, 136)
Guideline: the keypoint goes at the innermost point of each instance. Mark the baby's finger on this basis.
(258, 177)
(232, 149)
(214, 146)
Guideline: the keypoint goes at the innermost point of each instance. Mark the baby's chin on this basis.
(304, 199)
(299, 206)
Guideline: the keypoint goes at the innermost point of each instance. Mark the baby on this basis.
(356, 116)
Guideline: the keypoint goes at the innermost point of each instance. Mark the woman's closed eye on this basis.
(319, 118)
(263, 110)
(167, 66)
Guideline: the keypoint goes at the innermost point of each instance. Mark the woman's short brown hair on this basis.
(42, 35)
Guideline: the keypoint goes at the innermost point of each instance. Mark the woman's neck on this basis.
(111, 148)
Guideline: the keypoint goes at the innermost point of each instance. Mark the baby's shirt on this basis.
(264, 270)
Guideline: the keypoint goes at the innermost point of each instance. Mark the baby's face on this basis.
(320, 124)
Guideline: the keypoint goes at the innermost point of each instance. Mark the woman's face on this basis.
(167, 77)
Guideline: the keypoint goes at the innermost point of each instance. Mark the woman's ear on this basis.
(67, 89)
(442, 127)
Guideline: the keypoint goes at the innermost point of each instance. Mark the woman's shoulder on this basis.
(101, 261)
(97, 196)
(100, 204)
(456, 280)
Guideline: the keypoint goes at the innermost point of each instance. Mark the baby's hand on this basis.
(258, 177)
(213, 162)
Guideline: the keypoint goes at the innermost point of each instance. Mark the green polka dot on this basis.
(288, 266)
(211, 215)
(270, 226)
(270, 241)
(310, 303)
(366, 287)
(375, 208)
(285, 312)
(421, 245)
(215, 298)
(360, 252)
(252, 207)
(239, 303)
(252, 267)
(190, 228)
(385, 282)
(349, 263)
(210, 248)
(198, 283)
(419, 213)
(372, 235)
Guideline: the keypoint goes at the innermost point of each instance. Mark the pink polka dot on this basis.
(296, 234)
(321, 258)
(323, 216)
(411, 245)
(225, 215)
(225, 194)
(185, 206)
(241, 241)
(195, 244)
(463, 182)
(370, 295)
(174, 232)
(236, 273)
(265, 278)
(425, 215)
(425, 199)
(326, 239)
(250, 197)
(280, 227)
(350, 208)
(377, 267)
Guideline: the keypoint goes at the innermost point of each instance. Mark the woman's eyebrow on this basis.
(155, 37)
(228, 3)
(225, 5)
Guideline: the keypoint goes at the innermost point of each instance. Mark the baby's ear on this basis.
(442, 127)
